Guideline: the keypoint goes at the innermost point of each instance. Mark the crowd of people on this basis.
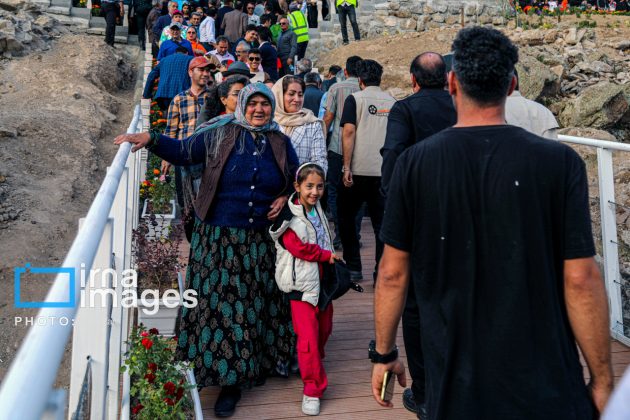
(229, 18)
(482, 223)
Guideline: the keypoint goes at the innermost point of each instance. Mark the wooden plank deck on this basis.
(349, 393)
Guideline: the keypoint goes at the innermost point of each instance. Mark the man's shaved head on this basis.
(429, 70)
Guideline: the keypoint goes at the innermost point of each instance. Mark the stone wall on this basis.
(395, 16)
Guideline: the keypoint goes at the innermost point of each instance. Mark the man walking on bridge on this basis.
(492, 225)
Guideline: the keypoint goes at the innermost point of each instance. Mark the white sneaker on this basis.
(310, 406)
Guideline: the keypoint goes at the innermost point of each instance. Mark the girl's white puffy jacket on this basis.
(294, 274)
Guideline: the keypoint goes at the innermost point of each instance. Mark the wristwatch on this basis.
(376, 357)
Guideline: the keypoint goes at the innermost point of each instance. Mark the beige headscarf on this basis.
(290, 120)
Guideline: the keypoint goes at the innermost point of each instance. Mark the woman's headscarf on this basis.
(290, 120)
(243, 98)
(215, 130)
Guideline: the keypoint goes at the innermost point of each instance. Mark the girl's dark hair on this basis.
(292, 79)
(226, 85)
(310, 168)
(214, 107)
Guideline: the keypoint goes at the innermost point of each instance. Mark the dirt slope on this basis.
(59, 111)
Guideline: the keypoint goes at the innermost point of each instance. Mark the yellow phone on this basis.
(387, 389)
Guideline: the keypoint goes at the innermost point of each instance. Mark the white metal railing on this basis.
(607, 204)
(26, 391)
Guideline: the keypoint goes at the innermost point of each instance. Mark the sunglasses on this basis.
(254, 58)
(284, 23)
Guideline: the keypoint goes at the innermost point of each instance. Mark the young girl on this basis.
(303, 245)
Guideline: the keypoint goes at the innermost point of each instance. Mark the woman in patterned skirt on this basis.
(241, 328)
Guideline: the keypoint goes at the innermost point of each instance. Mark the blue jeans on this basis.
(348, 12)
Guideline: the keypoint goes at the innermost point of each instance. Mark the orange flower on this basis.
(156, 172)
(160, 113)
(161, 121)
(154, 123)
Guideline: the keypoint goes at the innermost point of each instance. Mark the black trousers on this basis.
(365, 189)
(344, 13)
(301, 50)
(141, 20)
(325, 10)
(312, 15)
(413, 345)
(111, 11)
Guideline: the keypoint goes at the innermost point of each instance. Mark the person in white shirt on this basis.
(221, 52)
(530, 115)
(253, 62)
(252, 18)
(207, 30)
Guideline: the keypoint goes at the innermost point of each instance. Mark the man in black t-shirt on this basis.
(492, 225)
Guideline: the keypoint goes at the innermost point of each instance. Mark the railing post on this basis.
(91, 331)
(609, 240)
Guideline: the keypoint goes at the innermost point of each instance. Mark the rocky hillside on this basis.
(25, 28)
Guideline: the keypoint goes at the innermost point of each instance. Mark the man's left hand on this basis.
(347, 178)
(276, 207)
(378, 372)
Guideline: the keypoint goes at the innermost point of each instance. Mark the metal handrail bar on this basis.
(606, 144)
(608, 222)
(28, 383)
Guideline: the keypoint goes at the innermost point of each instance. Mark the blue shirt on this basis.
(160, 24)
(173, 74)
(251, 179)
(169, 47)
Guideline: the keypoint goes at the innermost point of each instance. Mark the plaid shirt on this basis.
(310, 144)
(182, 114)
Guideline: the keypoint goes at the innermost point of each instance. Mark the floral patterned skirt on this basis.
(241, 327)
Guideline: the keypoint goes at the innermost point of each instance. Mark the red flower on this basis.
(152, 367)
(169, 387)
(180, 393)
(136, 409)
(144, 334)
(147, 343)
(169, 401)
(149, 377)
(154, 331)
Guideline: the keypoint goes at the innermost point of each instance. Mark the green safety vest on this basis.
(298, 23)
(350, 2)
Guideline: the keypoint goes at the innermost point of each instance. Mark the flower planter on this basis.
(162, 226)
(165, 317)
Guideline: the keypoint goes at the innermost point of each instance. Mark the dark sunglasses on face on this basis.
(254, 59)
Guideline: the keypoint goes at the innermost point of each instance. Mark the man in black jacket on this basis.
(411, 120)
(313, 93)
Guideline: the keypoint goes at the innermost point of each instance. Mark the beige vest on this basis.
(373, 106)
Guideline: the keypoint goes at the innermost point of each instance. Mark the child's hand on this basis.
(333, 258)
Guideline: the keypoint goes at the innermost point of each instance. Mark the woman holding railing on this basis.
(240, 331)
